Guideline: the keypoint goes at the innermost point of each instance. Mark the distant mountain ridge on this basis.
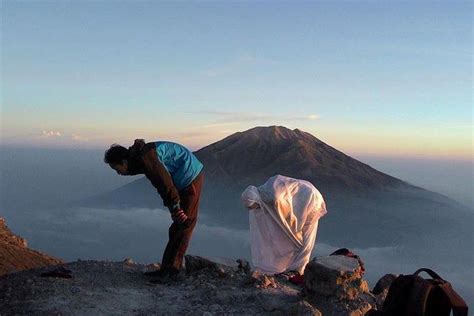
(252, 156)
(261, 152)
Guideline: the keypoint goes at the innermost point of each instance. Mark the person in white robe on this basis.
(283, 214)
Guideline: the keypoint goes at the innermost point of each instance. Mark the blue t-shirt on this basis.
(180, 162)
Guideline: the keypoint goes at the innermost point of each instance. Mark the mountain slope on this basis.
(259, 153)
(15, 254)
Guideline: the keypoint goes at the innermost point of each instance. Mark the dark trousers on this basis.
(180, 235)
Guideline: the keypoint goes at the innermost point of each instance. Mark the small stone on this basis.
(261, 280)
(255, 275)
(128, 261)
(221, 272)
(269, 282)
(153, 267)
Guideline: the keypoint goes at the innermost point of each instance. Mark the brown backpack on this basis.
(412, 295)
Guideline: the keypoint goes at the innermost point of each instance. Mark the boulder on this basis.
(336, 276)
(334, 285)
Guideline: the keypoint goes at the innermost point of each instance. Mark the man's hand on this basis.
(179, 217)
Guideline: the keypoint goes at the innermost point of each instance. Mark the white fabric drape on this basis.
(284, 214)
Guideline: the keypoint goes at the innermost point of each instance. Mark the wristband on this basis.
(175, 207)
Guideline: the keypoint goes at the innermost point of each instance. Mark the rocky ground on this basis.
(333, 285)
(206, 288)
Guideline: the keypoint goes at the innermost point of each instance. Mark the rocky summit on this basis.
(204, 288)
(15, 254)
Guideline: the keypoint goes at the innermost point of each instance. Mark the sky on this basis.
(382, 78)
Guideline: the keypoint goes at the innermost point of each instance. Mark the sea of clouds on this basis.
(141, 234)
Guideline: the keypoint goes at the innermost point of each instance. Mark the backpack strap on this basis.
(430, 272)
(419, 294)
(397, 296)
(457, 303)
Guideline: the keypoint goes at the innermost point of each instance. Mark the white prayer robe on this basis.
(284, 214)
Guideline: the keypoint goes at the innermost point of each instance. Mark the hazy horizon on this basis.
(452, 178)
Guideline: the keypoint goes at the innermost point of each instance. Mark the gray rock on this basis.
(128, 261)
(335, 276)
(334, 285)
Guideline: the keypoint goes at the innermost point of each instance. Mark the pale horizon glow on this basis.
(368, 78)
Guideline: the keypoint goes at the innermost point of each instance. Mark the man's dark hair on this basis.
(115, 154)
